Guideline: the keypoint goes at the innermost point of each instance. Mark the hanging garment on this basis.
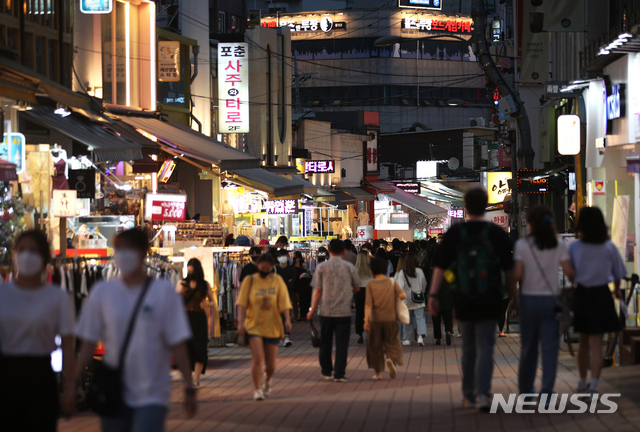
(59, 178)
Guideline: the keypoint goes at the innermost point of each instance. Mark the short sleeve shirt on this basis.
(161, 324)
(30, 319)
(264, 300)
(549, 260)
(381, 296)
(596, 264)
(336, 278)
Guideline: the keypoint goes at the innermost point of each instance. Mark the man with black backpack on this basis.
(472, 259)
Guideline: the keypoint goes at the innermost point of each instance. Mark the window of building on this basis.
(235, 24)
(222, 28)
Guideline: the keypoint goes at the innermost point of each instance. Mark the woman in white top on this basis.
(598, 263)
(537, 258)
(32, 314)
(414, 285)
(363, 266)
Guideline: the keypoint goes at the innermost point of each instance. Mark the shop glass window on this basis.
(175, 93)
(235, 24)
(221, 22)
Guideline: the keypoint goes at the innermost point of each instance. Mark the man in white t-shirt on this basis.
(161, 329)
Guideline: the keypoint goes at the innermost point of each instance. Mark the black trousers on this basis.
(447, 317)
(341, 328)
(28, 394)
(360, 297)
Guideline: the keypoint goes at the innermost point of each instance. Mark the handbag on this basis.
(402, 311)
(315, 336)
(415, 297)
(104, 392)
(565, 318)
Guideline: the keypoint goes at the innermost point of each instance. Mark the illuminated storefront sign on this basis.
(319, 166)
(436, 25)
(169, 61)
(409, 187)
(281, 207)
(233, 87)
(533, 186)
(96, 6)
(399, 218)
(12, 149)
(324, 24)
(614, 103)
(498, 186)
(166, 170)
(456, 214)
(421, 4)
(569, 134)
(165, 207)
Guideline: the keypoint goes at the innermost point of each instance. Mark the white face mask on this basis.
(282, 260)
(28, 263)
(127, 260)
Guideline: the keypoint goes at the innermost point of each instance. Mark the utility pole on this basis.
(524, 150)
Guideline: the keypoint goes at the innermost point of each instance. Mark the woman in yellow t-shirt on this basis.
(262, 301)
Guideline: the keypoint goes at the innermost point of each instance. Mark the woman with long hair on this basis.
(363, 266)
(382, 254)
(196, 293)
(537, 258)
(381, 321)
(597, 263)
(32, 313)
(262, 302)
(412, 280)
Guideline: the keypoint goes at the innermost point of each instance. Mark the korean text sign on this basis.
(169, 61)
(498, 186)
(281, 207)
(233, 87)
(168, 210)
(319, 166)
(64, 203)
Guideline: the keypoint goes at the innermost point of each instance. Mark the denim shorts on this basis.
(270, 341)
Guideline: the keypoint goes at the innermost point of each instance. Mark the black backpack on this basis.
(475, 276)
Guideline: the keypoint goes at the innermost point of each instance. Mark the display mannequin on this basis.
(263, 232)
(61, 168)
(228, 215)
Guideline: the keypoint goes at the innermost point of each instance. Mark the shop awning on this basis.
(105, 144)
(193, 144)
(309, 188)
(633, 163)
(266, 181)
(416, 203)
(381, 186)
(359, 194)
(324, 196)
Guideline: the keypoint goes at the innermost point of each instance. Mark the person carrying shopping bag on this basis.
(381, 321)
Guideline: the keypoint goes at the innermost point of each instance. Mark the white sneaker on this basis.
(420, 341)
(484, 403)
(287, 342)
(266, 387)
(406, 342)
(258, 395)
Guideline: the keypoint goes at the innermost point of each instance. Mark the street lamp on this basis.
(390, 40)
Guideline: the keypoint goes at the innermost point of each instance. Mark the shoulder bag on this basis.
(402, 311)
(417, 298)
(562, 306)
(104, 392)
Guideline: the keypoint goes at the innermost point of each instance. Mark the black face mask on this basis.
(264, 274)
(255, 258)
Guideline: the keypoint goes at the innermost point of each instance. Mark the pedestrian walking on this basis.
(334, 283)
(444, 316)
(196, 293)
(537, 258)
(381, 321)
(597, 263)
(472, 257)
(251, 268)
(160, 330)
(289, 275)
(262, 301)
(303, 287)
(363, 266)
(32, 313)
(414, 284)
(382, 254)
(348, 254)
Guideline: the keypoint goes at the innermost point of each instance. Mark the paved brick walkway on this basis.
(425, 396)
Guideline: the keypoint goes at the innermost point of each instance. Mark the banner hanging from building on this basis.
(233, 87)
(535, 44)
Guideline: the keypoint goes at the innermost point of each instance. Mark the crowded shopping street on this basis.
(424, 397)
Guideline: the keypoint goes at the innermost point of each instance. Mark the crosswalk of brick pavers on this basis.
(425, 396)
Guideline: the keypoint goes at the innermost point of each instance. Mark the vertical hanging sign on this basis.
(233, 87)
(169, 61)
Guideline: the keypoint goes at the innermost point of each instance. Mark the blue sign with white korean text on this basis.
(12, 150)
(96, 6)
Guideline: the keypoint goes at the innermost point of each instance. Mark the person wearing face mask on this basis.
(263, 299)
(252, 267)
(161, 330)
(288, 274)
(32, 313)
(196, 293)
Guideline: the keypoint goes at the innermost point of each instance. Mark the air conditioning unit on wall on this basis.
(476, 122)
